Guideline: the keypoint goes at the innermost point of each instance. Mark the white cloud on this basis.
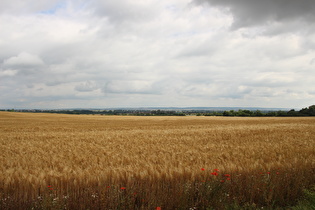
(23, 59)
(154, 53)
(24, 64)
(8, 73)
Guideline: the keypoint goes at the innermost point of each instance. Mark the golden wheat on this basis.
(41, 147)
(68, 150)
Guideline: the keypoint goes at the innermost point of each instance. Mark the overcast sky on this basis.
(144, 53)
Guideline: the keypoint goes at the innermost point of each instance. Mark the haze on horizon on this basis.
(150, 53)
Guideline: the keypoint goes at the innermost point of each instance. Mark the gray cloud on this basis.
(119, 11)
(248, 13)
(24, 63)
(87, 86)
(130, 87)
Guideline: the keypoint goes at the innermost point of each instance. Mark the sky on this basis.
(58, 54)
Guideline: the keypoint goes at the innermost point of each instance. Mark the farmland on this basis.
(137, 162)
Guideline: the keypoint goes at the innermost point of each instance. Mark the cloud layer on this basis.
(248, 13)
(88, 54)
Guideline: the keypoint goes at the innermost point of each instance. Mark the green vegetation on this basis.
(310, 111)
(307, 202)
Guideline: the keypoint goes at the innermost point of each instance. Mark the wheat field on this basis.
(133, 162)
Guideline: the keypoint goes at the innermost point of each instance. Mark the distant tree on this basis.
(244, 113)
(232, 113)
(271, 114)
(292, 112)
(310, 111)
(218, 114)
(226, 113)
(209, 114)
(258, 113)
(282, 113)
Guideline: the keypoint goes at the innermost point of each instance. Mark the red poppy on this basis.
(122, 188)
(217, 170)
(49, 186)
(227, 175)
(202, 169)
(214, 173)
(228, 178)
(158, 208)
(108, 186)
(222, 181)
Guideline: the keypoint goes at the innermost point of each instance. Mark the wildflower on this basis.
(122, 188)
(227, 175)
(217, 170)
(222, 181)
(214, 173)
(228, 178)
(202, 169)
(49, 186)
(108, 186)
(158, 208)
(268, 172)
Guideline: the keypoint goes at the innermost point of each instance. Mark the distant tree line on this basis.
(309, 111)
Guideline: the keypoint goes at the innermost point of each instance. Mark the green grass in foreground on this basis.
(308, 200)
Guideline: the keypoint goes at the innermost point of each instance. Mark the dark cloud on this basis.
(249, 13)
